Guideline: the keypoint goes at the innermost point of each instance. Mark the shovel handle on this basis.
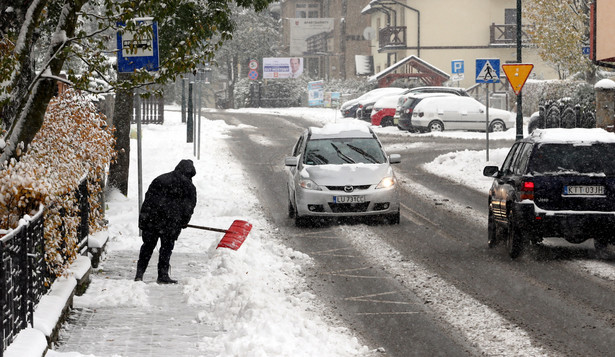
(208, 228)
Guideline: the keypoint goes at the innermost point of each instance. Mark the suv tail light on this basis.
(408, 111)
(527, 190)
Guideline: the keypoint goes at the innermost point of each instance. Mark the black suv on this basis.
(554, 183)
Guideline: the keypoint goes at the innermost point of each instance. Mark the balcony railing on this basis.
(507, 34)
(392, 37)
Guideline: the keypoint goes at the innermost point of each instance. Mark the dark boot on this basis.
(141, 267)
(163, 274)
(165, 279)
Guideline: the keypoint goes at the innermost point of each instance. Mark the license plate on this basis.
(584, 190)
(348, 199)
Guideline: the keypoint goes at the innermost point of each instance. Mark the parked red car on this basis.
(384, 110)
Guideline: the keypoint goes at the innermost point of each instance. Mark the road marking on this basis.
(389, 313)
(409, 216)
(327, 253)
(368, 298)
(343, 273)
(434, 224)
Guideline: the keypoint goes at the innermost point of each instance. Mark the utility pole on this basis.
(519, 123)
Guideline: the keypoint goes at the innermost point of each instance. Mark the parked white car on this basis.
(459, 113)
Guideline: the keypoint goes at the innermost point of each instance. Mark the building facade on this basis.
(442, 31)
(328, 35)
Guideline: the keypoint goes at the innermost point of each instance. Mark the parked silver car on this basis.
(459, 113)
(341, 170)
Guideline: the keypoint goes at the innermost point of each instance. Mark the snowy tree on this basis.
(258, 36)
(561, 29)
(40, 40)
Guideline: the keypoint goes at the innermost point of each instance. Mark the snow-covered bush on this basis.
(73, 144)
(537, 92)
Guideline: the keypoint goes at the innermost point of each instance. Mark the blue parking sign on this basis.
(457, 67)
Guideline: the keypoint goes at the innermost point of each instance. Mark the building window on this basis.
(307, 10)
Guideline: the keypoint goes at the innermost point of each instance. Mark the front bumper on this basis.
(311, 203)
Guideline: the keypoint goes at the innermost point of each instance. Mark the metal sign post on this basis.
(138, 50)
(139, 150)
(487, 71)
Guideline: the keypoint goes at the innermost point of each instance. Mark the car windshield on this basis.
(570, 158)
(343, 151)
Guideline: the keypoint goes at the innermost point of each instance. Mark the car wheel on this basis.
(492, 233)
(291, 209)
(393, 218)
(497, 126)
(514, 241)
(386, 121)
(302, 221)
(435, 125)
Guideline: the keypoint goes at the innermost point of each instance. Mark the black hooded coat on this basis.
(169, 200)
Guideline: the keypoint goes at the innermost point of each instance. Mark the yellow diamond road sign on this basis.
(517, 74)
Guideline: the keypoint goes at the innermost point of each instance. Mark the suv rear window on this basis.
(343, 151)
(571, 158)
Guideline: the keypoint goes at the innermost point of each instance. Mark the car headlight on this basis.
(309, 185)
(387, 182)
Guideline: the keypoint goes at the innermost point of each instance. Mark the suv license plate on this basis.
(348, 199)
(584, 190)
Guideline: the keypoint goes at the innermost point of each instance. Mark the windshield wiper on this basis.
(319, 159)
(341, 155)
(364, 153)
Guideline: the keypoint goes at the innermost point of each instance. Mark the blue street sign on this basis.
(586, 50)
(457, 67)
(488, 70)
(138, 52)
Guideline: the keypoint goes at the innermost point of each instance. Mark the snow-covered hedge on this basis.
(74, 143)
(537, 92)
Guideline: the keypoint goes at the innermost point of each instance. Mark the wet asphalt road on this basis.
(563, 309)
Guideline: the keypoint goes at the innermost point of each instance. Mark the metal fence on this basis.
(22, 277)
(152, 110)
(23, 270)
(562, 114)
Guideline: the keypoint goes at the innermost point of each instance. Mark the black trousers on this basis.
(150, 239)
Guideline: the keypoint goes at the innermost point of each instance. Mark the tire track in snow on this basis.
(484, 328)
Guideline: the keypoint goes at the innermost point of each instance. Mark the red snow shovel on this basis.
(234, 236)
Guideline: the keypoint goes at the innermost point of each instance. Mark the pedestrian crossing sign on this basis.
(488, 70)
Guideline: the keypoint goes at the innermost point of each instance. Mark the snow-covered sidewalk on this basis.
(249, 302)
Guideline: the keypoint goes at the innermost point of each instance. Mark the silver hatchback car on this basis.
(341, 170)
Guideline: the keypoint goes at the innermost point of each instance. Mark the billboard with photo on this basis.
(282, 67)
(310, 36)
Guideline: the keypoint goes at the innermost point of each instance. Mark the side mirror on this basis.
(291, 161)
(491, 171)
(394, 158)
